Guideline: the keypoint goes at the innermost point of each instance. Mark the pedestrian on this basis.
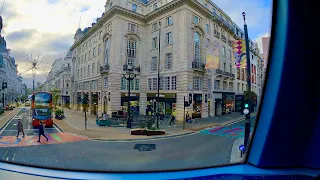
(20, 128)
(41, 132)
(172, 118)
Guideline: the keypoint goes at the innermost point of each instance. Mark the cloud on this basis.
(19, 35)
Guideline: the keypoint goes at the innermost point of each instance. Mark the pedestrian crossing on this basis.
(54, 138)
(227, 131)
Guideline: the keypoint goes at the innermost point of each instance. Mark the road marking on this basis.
(56, 128)
(7, 159)
(56, 137)
(14, 156)
(8, 122)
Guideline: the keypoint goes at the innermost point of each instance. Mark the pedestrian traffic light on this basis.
(4, 85)
(186, 104)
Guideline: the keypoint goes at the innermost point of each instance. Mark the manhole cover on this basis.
(145, 147)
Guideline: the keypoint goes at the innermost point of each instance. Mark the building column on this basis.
(212, 105)
(180, 106)
(204, 106)
(143, 103)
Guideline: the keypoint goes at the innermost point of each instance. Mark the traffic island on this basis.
(147, 132)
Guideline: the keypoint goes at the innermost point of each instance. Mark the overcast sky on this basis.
(47, 27)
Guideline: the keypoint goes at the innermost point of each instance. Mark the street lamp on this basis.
(158, 94)
(129, 69)
(248, 104)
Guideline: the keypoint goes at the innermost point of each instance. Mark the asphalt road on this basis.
(10, 129)
(189, 151)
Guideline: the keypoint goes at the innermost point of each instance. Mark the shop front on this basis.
(239, 101)
(134, 102)
(228, 102)
(197, 105)
(166, 102)
(94, 103)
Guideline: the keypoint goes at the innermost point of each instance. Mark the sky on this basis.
(47, 27)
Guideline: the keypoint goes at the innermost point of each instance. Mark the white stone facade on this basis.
(127, 34)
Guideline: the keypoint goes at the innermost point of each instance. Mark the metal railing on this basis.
(104, 69)
(198, 65)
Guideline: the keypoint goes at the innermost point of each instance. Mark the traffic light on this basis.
(186, 104)
(4, 85)
(246, 105)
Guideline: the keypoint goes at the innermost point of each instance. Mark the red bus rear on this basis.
(41, 107)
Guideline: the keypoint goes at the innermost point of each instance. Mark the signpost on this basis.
(242, 148)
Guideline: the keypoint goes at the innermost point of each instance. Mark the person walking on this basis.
(172, 118)
(20, 128)
(41, 132)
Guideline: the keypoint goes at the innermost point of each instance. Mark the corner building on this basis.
(128, 33)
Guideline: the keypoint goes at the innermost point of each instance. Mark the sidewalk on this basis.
(74, 123)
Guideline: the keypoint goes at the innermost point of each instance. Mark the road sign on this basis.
(242, 148)
(246, 111)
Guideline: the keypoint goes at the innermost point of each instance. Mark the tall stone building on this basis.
(131, 32)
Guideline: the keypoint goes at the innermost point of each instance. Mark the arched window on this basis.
(131, 51)
(197, 54)
(106, 58)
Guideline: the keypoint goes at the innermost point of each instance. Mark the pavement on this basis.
(236, 156)
(74, 123)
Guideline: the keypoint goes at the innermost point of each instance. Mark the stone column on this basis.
(143, 103)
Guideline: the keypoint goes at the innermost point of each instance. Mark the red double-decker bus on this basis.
(41, 107)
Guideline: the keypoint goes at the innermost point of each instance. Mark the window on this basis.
(223, 51)
(224, 67)
(197, 53)
(229, 54)
(168, 61)
(105, 84)
(169, 38)
(173, 82)
(167, 83)
(94, 52)
(155, 6)
(98, 67)
(230, 86)
(93, 68)
(132, 27)
(99, 49)
(154, 83)
(197, 83)
(68, 64)
(169, 20)
(207, 28)
(216, 84)
(195, 20)
(123, 83)
(131, 51)
(230, 68)
(154, 63)
(89, 55)
(88, 70)
(137, 84)
(224, 85)
(131, 85)
(154, 43)
(134, 7)
(150, 84)
(155, 26)
(238, 87)
(161, 83)
(109, 27)
(106, 56)
(67, 85)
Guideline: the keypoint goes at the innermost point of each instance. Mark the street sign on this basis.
(242, 148)
(246, 111)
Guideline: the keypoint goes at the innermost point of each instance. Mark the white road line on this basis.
(56, 128)
(6, 115)
(7, 159)
(8, 123)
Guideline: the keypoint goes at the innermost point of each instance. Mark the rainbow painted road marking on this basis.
(55, 138)
(228, 131)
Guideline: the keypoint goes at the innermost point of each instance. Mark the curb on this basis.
(9, 120)
(143, 139)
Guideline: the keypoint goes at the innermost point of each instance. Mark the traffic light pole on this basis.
(247, 122)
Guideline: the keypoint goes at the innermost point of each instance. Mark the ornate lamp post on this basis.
(130, 71)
